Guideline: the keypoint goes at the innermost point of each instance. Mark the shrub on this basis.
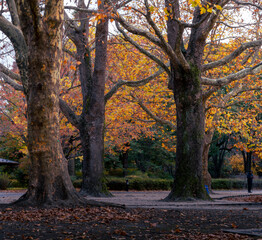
(118, 172)
(140, 184)
(234, 183)
(4, 181)
(21, 175)
(15, 184)
(77, 183)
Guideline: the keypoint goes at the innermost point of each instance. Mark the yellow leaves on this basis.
(207, 8)
(151, 9)
(195, 3)
(202, 10)
(218, 7)
(99, 3)
(210, 10)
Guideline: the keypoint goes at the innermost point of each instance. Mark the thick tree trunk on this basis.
(92, 120)
(49, 183)
(188, 179)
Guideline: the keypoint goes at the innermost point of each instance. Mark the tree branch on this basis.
(248, 4)
(69, 113)
(11, 82)
(152, 115)
(9, 73)
(13, 12)
(17, 38)
(232, 56)
(138, 31)
(79, 9)
(232, 77)
(142, 50)
(165, 46)
(138, 83)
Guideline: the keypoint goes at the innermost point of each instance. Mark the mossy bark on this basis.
(188, 179)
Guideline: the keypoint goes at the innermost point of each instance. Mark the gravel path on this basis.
(153, 199)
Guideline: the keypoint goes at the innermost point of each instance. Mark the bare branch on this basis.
(13, 12)
(121, 83)
(9, 73)
(17, 38)
(79, 9)
(142, 50)
(232, 56)
(11, 82)
(137, 31)
(166, 47)
(248, 4)
(237, 26)
(69, 113)
(153, 116)
(232, 77)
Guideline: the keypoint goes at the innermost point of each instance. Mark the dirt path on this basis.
(154, 199)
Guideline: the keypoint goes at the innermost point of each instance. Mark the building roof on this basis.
(7, 162)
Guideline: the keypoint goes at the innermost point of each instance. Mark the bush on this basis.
(15, 184)
(118, 172)
(77, 183)
(21, 175)
(140, 184)
(4, 181)
(234, 183)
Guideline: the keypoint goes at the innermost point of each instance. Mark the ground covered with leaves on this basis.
(116, 223)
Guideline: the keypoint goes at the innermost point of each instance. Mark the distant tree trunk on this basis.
(49, 179)
(188, 179)
(247, 157)
(206, 175)
(123, 157)
(71, 166)
(219, 158)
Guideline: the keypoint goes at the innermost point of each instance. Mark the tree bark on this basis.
(49, 183)
(247, 157)
(188, 179)
(92, 120)
(206, 175)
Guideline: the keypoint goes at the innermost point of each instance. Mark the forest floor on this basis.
(185, 221)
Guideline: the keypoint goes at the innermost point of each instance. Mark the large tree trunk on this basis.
(188, 179)
(92, 119)
(49, 179)
(91, 122)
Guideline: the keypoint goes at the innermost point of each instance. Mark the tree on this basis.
(184, 47)
(36, 36)
(90, 122)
